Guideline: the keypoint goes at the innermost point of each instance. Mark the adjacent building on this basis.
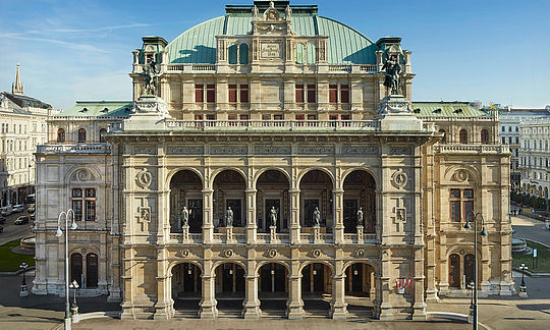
(264, 162)
(23, 127)
(534, 156)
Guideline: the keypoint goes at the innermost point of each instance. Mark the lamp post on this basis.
(24, 292)
(74, 306)
(483, 233)
(58, 233)
(522, 286)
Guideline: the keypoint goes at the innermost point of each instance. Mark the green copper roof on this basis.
(446, 109)
(98, 109)
(345, 45)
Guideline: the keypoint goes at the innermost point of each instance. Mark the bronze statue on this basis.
(392, 69)
(151, 73)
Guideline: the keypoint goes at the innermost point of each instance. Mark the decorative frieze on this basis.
(360, 150)
(316, 150)
(145, 150)
(272, 150)
(185, 150)
(228, 150)
(400, 151)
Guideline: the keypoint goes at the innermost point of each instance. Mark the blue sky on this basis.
(492, 51)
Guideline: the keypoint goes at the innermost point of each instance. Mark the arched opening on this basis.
(243, 54)
(102, 133)
(81, 135)
(92, 270)
(469, 268)
(273, 288)
(316, 200)
(186, 286)
(76, 268)
(229, 287)
(60, 135)
(444, 138)
(272, 201)
(300, 54)
(186, 191)
(463, 135)
(316, 288)
(484, 136)
(232, 54)
(359, 287)
(359, 197)
(229, 199)
(310, 51)
(454, 271)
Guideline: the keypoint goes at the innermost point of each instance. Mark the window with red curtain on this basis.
(299, 93)
(232, 93)
(311, 93)
(333, 93)
(211, 93)
(244, 93)
(199, 93)
(344, 93)
(485, 136)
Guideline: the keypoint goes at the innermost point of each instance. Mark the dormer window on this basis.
(438, 110)
(105, 110)
(84, 110)
(417, 110)
(458, 111)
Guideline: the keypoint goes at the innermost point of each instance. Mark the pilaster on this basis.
(251, 226)
(295, 216)
(207, 226)
(338, 306)
(251, 305)
(208, 303)
(338, 197)
(295, 304)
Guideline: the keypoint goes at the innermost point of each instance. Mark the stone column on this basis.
(338, 198)
(295, 304)
(207, 226)
(384, 286)
(419, 306)
(251, 305)
(338, 310)
(208, 303)
(163, 306)
(251, 226)
(294, 216)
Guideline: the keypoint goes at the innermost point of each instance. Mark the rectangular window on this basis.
(311, 94)
(77, 208)
(333, 94)
(344, 93)
(266, 117)
(299, 93)
(211, 93)
(199, 93)
(90, 210)
(462, 204)
(232, 120)
(244, 94)
(455, 211)
(232, 93)
(277, 117)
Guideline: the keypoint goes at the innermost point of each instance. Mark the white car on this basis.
(18, 208)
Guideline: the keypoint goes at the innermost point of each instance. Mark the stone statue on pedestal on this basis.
(317, 217)
(151, 72)
(273, 216)
(392, 69)
(360, 217)
(184, 216)
(229, 217)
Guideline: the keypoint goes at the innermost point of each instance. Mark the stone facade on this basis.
(534, 157)
(315, 142)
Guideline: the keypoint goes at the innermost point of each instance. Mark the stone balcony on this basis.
(472, 149)
(81, 148)
(179, 68)
(269, 239)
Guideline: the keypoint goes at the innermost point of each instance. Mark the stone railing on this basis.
(100, 148)
(305, 67)
(339, 67)
(193, 238)
(368, 68)
(472, 148)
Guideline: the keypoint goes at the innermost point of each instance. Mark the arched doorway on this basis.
(229, 193)
(92, 270)
(186, 191)
(359, 287)
(273, 288)
(186, 288)
(76, 268)
(454, 271)
(229, 288)
(316, 192)
(359, 193)
(469, 269)
(272, 192)
(316, 288)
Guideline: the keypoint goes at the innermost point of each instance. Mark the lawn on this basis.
(9, 261)
(543, 256)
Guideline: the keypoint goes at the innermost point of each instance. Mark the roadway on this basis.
(532, 229)
(12, 232)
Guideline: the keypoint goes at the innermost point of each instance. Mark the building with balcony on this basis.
(534, 155)
(263, 166)
(23, 127)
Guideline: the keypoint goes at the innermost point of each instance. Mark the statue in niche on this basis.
(273, 216)
(151, 72)
(392, 69)
(288, 12)
(229, 217)
(184, 217)
(360, 217)
(317, 217)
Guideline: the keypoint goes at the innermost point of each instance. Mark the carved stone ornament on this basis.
(360, 253)
(227, 253)
(272, 253)
(461, 176)
(316, 253)
(144, 178)
(84, 175)
(144, 214)
(184, 253)
(399, 179)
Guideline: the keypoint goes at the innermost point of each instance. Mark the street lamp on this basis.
(483, 233)
(24, 292)
(74, 306)
(522, 286)
(58, 233)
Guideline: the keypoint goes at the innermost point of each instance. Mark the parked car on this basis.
(18, 208)
(31, 208)
(2, 220)
(22, 220)
(32, 216)
(6, 210)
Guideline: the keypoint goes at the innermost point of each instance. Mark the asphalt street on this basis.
(12, 232)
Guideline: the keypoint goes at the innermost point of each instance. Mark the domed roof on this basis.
(345, 45)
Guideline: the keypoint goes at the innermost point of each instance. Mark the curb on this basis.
(17, 272)
(454, 317)
(89, 316)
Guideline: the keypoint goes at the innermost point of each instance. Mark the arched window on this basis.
(444, 138)
(484, 136)
(310, 54)
(60, 135)
(102, 135)
(81, 135)
(299, 54)
(463, 136)
(232, 54)
(454, 271)
(91, 270)
(76, 268)
(243, 54)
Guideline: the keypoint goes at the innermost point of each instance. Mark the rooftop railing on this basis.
(471, 148)
(84, 148)
(245, 68)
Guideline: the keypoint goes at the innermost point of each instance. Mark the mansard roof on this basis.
(447, 109)
(345, 45)
(98, 109)
(23, 101)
